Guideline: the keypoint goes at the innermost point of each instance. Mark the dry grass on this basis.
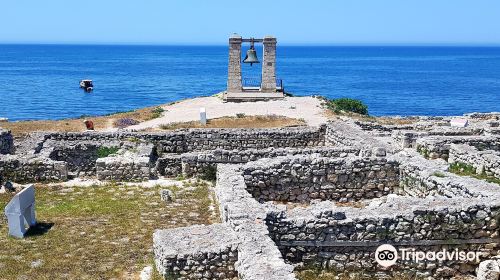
(99, 232)
(315, 274)
(75, 125)
(268, 121)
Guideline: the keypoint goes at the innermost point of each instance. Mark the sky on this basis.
(210, 22)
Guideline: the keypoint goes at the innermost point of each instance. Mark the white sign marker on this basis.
(459, 122)
(203, 116)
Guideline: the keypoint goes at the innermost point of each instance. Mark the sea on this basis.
(42, 81)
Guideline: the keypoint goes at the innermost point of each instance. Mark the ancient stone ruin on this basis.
(291, 198)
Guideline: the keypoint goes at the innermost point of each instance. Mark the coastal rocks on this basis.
(6, 142)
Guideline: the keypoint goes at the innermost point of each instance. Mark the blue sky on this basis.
(351, 22)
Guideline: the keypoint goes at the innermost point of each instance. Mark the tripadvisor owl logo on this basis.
(386, 255)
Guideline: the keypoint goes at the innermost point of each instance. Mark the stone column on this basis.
(234, 67)
(269, 65)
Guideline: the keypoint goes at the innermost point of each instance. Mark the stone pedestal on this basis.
(268, 83)
(234, 67)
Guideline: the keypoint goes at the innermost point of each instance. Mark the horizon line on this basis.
(382, 44)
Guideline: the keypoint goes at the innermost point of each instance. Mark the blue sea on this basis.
(42, 81)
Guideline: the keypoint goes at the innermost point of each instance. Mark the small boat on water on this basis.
(87, 85)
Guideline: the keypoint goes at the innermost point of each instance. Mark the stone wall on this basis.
(127, 165)
(345, 239)
(434, 147)
(6, 142)
(345, 133)
(196, 252)
(197, 163)
(123, 168)
(458, 213)
(31, 169)
(80, 157)
(309, 177)
(189, 140)
(420, 178)
(258, 256)
(487, 161)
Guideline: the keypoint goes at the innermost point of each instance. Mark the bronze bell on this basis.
(251, 56)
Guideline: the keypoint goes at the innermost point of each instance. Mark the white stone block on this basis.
(459, 122)
(21, 211)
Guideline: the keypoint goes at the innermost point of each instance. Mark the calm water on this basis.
(41, 82)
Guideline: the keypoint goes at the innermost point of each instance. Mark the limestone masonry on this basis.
(293, 198)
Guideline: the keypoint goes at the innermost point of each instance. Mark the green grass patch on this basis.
(103, 152)
(439, 174)
(464, 169)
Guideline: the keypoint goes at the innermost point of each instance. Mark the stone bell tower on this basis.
(270, 87)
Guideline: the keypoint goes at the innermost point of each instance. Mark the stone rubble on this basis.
(294, 197)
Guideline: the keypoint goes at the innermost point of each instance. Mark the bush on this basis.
(156, 112)
(240, 115)
(347, 105)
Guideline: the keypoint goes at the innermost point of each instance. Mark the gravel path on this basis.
(307, 108)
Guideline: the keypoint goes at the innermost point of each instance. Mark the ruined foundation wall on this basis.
(32, 169)
(435, 147)
(6, 142)
(305, 178)
(196, 163)
(80, 157)
(346, 238)
(487, 161)
(189, 140)
(420, 178)
(128, 164)
(184, 253)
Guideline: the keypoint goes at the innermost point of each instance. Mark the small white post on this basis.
(203, 116)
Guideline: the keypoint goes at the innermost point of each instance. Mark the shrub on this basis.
(125, 122)
(103, 152)
(240, 115)
(156, 112)
(347, 105)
